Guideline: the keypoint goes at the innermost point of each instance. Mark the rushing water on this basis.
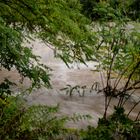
(92, 103)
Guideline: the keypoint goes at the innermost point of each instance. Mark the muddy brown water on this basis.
(92, 103)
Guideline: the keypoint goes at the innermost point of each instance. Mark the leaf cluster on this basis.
(56, 22)
(18, 121)
(117, 126)
(111, 10)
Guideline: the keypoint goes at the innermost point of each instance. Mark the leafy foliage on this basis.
(118, 55)
(36, 122)
(20, 121)
(117, 126)
(111, 9)
(41, 122)
(14, 54)
(5, 89)
(44, 19)
(60, 23)
(47, 19)
(118, 50)
(10, 115)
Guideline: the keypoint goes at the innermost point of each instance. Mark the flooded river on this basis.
(92, 103)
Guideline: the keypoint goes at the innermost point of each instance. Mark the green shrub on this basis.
(117, 126)
(20, 122)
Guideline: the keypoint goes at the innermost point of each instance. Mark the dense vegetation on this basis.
(111, 9)
(67, 25)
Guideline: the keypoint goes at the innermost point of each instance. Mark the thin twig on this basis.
(133, 108)
(137, 116)
(128, 97)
